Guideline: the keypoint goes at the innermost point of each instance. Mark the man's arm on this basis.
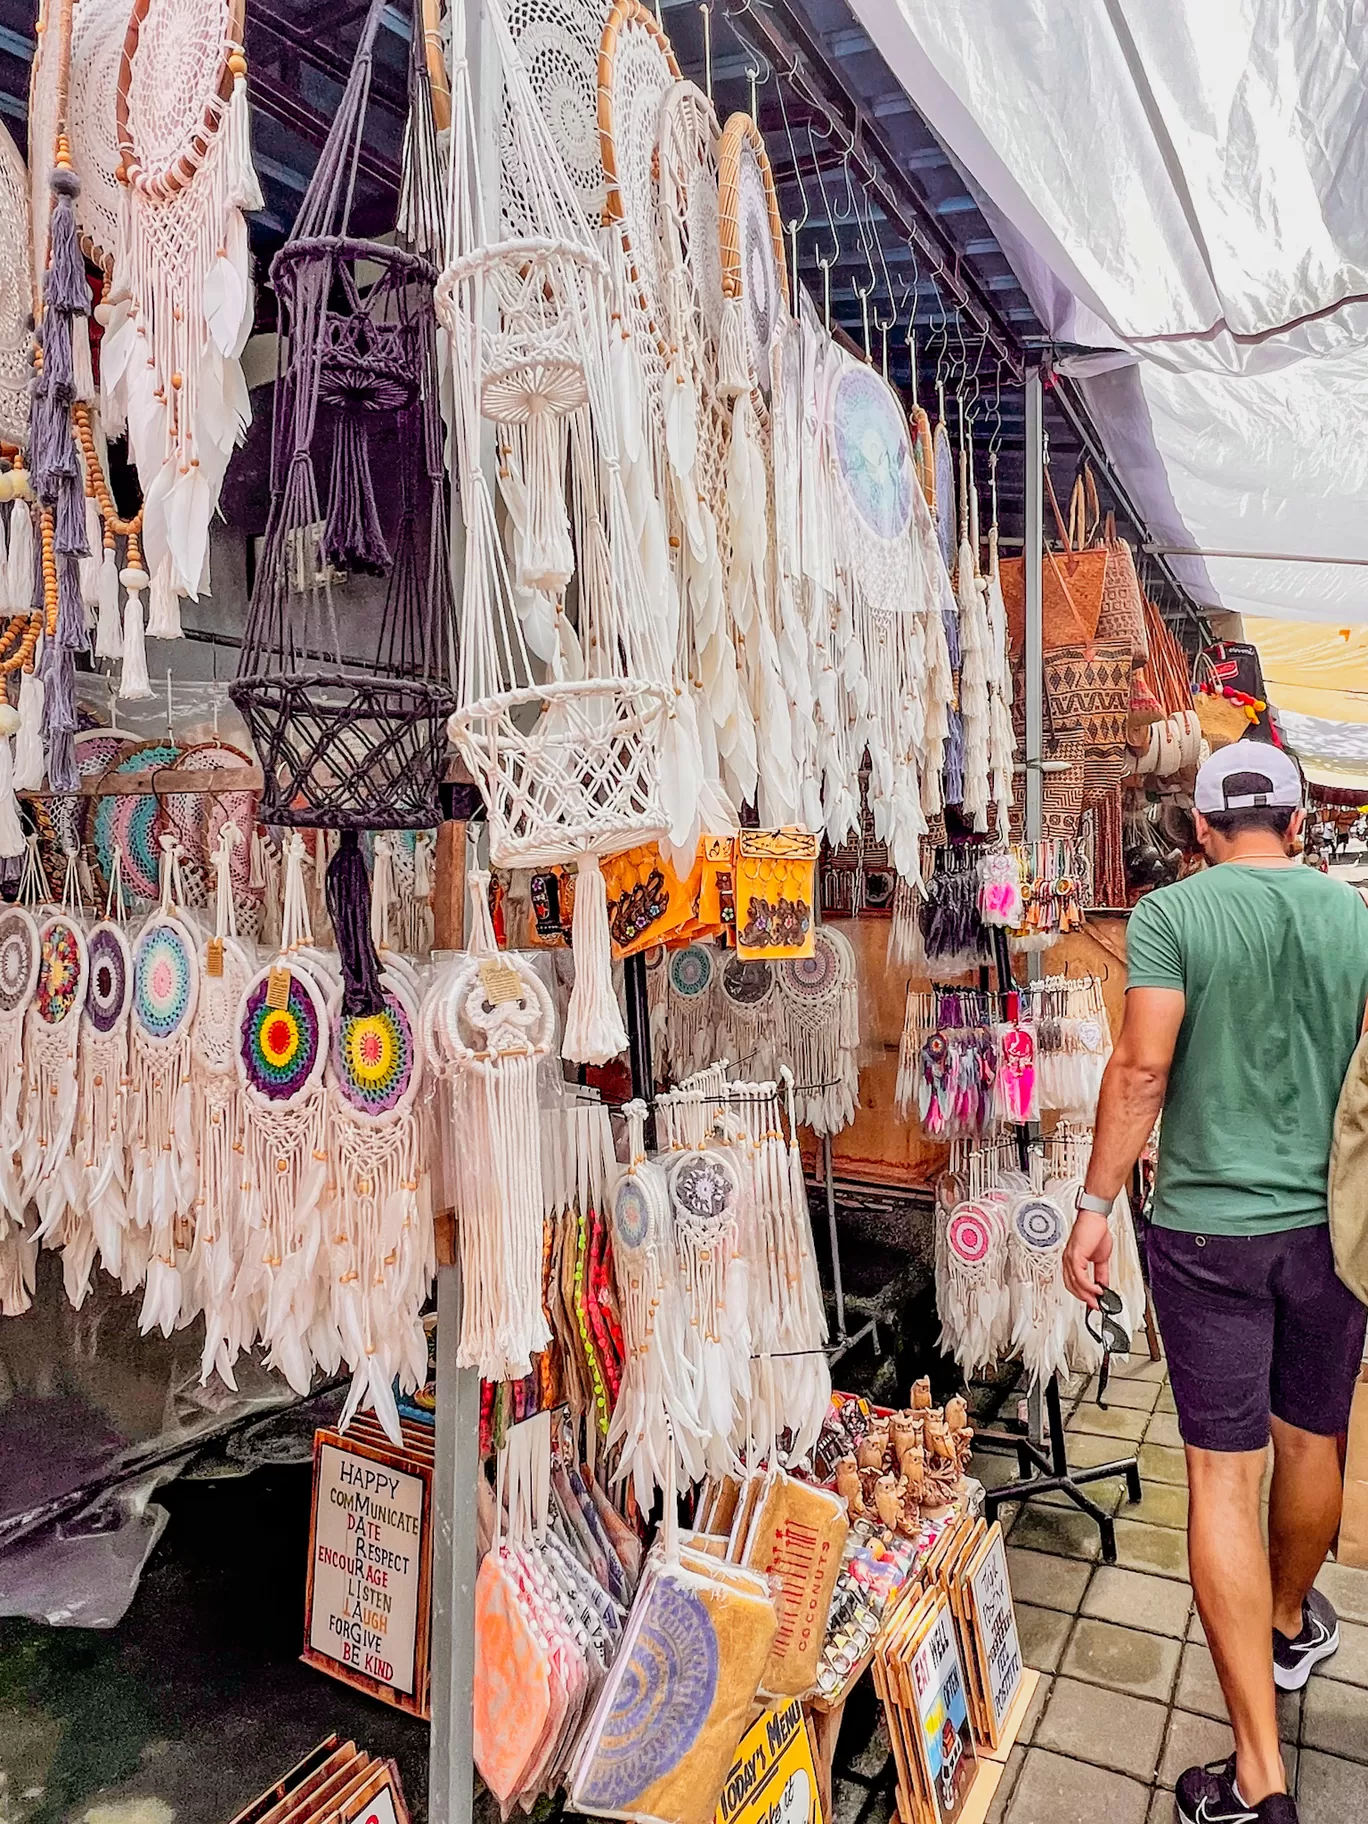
(1131, 1097)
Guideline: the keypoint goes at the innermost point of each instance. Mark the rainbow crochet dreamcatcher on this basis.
(281, 1054)
(380, 1239)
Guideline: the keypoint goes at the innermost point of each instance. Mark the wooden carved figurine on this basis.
(873, 1447)
(848, 1487)
(921, 1394)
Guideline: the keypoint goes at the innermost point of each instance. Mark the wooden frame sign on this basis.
(368, 1607)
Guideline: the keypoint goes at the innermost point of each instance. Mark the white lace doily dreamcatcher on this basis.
(528, 321)
(820, 997)
(16, 292)
(97, 46)
(217, 1121)
(100, 1139)
(180, 302)
(558, 41)
(486, 1024)
(18, 978)
(754, 276)
(705, 1201)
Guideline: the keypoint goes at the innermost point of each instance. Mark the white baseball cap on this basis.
(1270, 777)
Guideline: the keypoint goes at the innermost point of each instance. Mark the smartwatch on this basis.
(1100, 1206)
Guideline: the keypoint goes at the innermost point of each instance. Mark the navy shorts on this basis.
(1253, 1325)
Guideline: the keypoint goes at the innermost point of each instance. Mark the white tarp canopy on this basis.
(1183, 187)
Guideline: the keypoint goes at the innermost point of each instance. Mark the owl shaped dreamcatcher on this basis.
(217, 1111)
(380, 1240)
(487, 1023)
(101, 1152)
(656, 1415)
(165, 993)
(280, 1056)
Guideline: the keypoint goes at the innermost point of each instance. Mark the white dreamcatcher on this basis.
(104, 1073)
(52, 1028)
(487, 1023)
(16, 297)
(217, 1123)
(179, 310)
(821, 1003)
(527, 317)
(161, 1201)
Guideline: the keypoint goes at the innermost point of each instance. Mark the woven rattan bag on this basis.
(1073, 581)
(1122, 614)
(1091, 685)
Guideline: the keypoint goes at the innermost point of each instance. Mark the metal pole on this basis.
(456, 1468)
(1033, 548)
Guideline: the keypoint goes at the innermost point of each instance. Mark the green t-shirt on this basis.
(1274, 965)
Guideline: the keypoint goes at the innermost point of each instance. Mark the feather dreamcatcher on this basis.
(973, 1289)
(180, 303)
(690, 973)
(52, 1028)
(217, 1116)
(19, 952)
(487, 1023)
(744, 1006)
(381, 1244)
(280, 1055)
(656, 1415)
(1043, 1314)
(820, 997)
(100, 1137)
(165, 993)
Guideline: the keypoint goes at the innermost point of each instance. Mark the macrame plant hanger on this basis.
(568, 761)
(351, 730)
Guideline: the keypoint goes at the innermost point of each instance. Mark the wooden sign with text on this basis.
(368, 1608)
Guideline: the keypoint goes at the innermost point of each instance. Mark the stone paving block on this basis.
(1161, 1809)
(994, 1468)
(1350, 1664)
(1330, 1790)
(1124, 1659)
(1087, 1449)
(997, 1811)
(1199, 1689)
(1035, 1710)
(1140, 1368)
(1160, 1463)
(1106, 1727)
(1195, 1629)
(1054, 1529)
(1163, 1429)
(1335, 1718)
(1166, 1401)
(1194, 1740)
(1347, 1588)
(1106, 1495)
(1047, 1581)
(1161, 1504)
(1142, 1396)
(1043, 1633)
(1132, 1599)
(1151, 1548)
(1053, 1789)
(1123, 1422)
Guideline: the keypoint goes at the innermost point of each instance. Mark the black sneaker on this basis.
(1295, 1660)
(1208, 1795)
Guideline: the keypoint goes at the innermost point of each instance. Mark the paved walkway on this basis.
(1129, 1697)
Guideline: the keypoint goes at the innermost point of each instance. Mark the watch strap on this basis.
(1100, 1206)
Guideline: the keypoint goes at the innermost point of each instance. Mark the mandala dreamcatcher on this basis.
(973, 1291)
(97, 45)
(705, 1201)
(689, 1008)
(637, 67)
(558, 41)
(744, 1005)
(19, 950)
(52, 1029)
(1042, 1305)
(820, 997)
(754, 276)
(130, 825)
(873, 455)
(103, 1072)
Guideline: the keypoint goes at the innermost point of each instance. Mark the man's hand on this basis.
(1087, 1256)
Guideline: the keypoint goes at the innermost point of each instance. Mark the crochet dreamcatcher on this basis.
(656, 1415)
(103, 1085)
(820, 998)
(18, 979)
(486, 1024)
(97, 45)
(280, 1055)
(754, 276)
(180, 303)
(52, 1028)
(161, 1200)
(690, 974)
(350, 730)
(217, 1117)
(381, 1238)
(569, 765)
(973, 1290)
(746, 1002)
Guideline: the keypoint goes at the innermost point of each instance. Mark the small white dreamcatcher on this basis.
(745, 1002)
(691, 974)
(656, 1416)
(52, 1028)
(217, 1123)
(16, 297)
(165, 993)
(821, 1001)
(487, 1023)
(18, 978)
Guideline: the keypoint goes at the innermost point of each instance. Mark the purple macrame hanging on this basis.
(347, 696)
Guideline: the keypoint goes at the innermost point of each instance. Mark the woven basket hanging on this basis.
(350, 729)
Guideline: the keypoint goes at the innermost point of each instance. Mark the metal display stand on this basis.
(1042, 1455)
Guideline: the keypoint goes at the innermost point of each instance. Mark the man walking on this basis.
(1246, 996)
